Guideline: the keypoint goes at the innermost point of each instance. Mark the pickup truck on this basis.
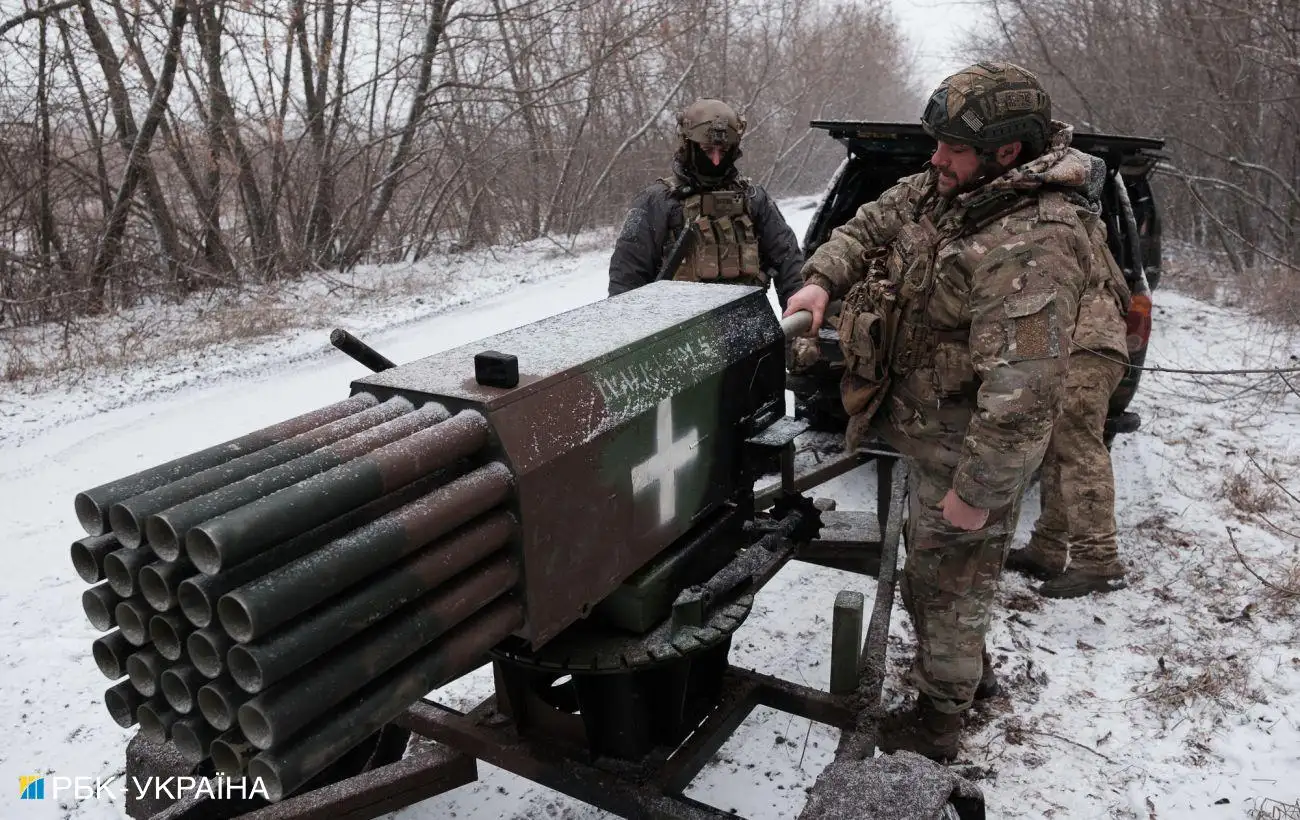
(879, 154)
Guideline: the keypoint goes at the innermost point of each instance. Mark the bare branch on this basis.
(36, 14)
(1288, 591)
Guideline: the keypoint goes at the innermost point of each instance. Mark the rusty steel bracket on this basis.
(651, 788)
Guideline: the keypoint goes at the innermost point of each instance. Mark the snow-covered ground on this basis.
(1179, 697)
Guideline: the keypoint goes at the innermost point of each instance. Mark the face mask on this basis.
(704, 168)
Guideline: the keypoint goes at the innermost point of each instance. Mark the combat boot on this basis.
(1037, 562)
(922, 729)
(1080, 580)
(989, 687)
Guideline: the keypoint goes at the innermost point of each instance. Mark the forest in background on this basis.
(1219, 80)
(149, 150)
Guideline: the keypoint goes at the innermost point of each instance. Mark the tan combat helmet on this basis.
(710, 122)
(988, 105)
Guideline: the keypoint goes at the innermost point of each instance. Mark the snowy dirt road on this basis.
(1179, 697)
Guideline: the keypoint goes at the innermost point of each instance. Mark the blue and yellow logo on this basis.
(31, 787)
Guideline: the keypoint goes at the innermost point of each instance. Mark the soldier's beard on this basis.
(988, 169)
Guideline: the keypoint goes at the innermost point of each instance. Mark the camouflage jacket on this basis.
(655, 220)
(979, 386)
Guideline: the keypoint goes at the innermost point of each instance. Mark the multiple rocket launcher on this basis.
(272, 601)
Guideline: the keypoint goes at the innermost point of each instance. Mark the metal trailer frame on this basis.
(446, 744)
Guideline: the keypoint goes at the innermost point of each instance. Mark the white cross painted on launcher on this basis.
(670, 456)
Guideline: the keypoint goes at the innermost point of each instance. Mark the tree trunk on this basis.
(137, 161)
(363, 238)
(262, 223)
(160, 214)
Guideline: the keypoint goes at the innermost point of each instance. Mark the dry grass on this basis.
(1260, 497)
(1188, 672)
(1268, 290)
(53, 355)
(1250, 495)
(56, 354)
(1212, 624)
(59, 354)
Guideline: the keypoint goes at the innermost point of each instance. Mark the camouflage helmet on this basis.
(710, 122)
(989, 105)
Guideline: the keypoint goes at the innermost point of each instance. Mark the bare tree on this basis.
(280, 135)
(1218, 79)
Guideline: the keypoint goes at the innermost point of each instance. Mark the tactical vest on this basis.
(726, 245)
(883, 330)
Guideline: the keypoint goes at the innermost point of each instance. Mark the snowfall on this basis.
(1178, 697)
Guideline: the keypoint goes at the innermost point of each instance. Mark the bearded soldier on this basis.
(709, 223)
(962, 286)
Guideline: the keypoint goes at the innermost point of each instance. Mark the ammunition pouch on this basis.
(867, 328)
(883, 329)
(727, 248)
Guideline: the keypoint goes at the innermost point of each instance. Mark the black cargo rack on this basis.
(905, 138)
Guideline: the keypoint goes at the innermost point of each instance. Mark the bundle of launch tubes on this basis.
(272, 601)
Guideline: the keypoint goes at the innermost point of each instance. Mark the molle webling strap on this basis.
(727, 248)
(748, 241)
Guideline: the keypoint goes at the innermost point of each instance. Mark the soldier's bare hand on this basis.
(960, 514)
(812, 298)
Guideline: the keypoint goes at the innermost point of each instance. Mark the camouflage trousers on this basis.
(1077, 482)
(949, 582)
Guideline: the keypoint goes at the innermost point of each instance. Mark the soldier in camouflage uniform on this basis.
(961, 287)
(739, 234)
(1077, 484)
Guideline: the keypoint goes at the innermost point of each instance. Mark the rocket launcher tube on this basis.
(144, 668)
(133, 617)
(231, 753)
(241, 533)
(110, 653)
(255, 666)
(92, 506)
(158, 582)
(169, 631)
(218, 701)
(198, 594)
(285, 769)
(130, 517)
(180, 687)
(122, 568)
(122, 701)
(207, 648)
(156, 719)
(88, 556)
(258, 607)
(276, 714)
(99, 603)
(193, 737)
(166, 528)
